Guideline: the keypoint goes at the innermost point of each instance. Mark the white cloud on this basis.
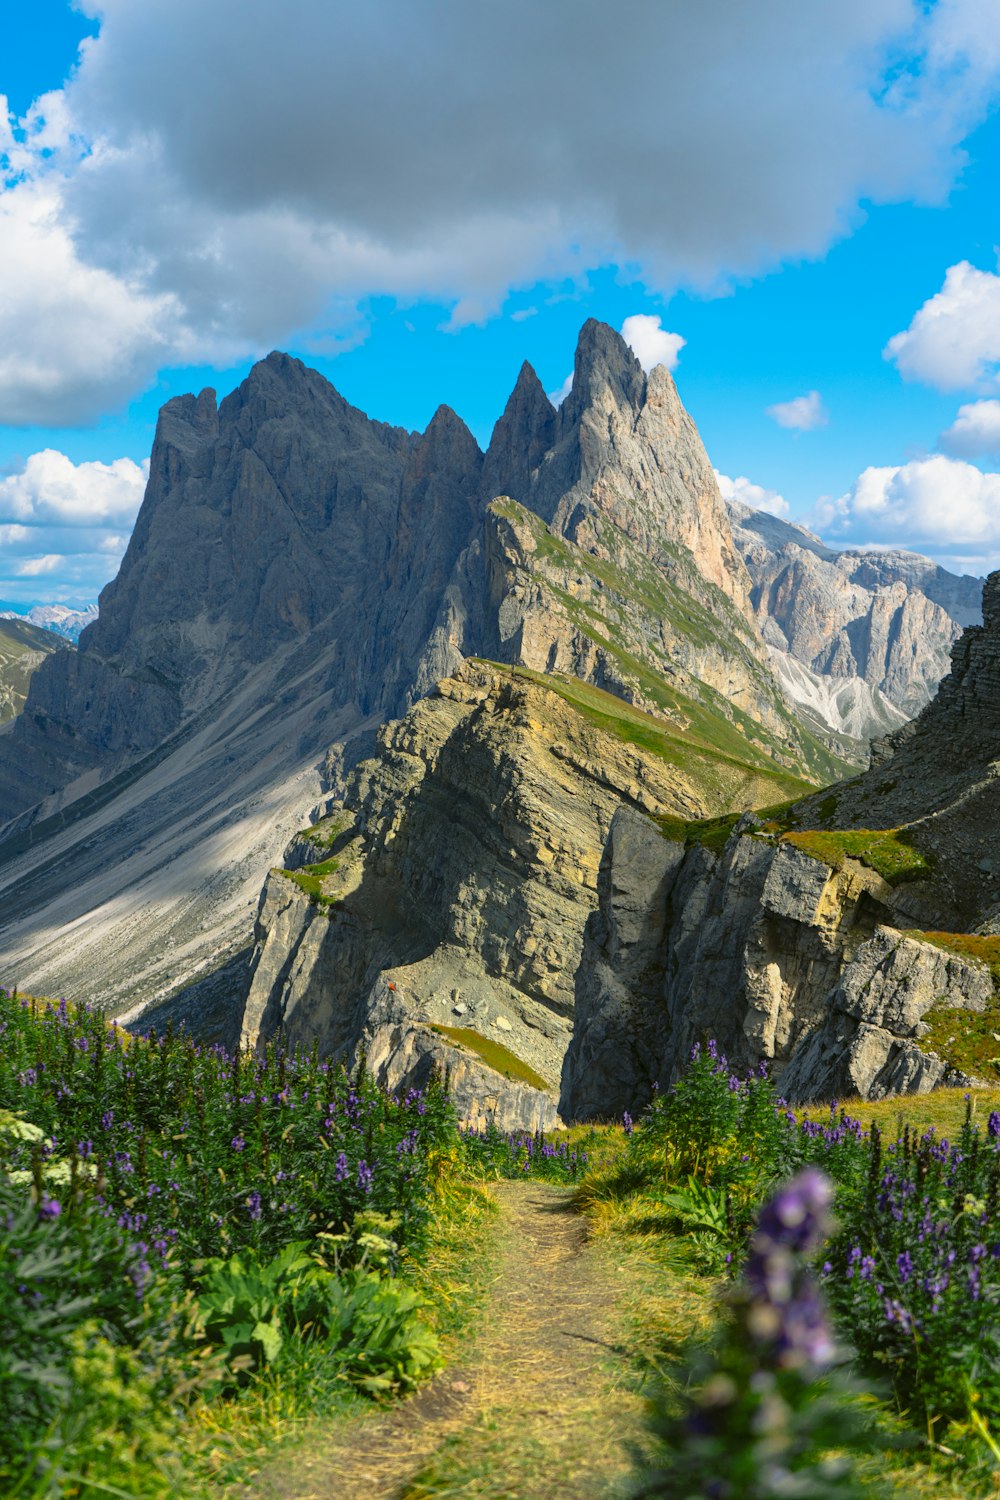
(650, 343)
(72, 337)
(190, 212)
(937, 505)
(51, 488)
(35, 566)
(953, 341)
(745, 492)
(66, 524)
(975, 432)
(802, 413)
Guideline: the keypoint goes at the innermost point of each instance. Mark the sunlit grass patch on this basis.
(887, 851)
(310, 879)
(942, 1110)
(500, 1058)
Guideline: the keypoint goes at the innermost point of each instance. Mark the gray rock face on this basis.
(868, 1043)
(614, 1056)
(298, 573)
(463, 876)
(773, 953)
(886, 618)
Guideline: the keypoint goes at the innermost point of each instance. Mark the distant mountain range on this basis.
(56, 617)
(859, 639)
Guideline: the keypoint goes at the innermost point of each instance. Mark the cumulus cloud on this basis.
(51, 488)
(938, 505)
(744, 492)
(650, 342)
(801, 414)
(953, 341)
(437, 150)
(65, 523)
(975, 432)
(72, 336)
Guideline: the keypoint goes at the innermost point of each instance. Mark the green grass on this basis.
(715, 833)
(310, 879)
(942, 1110)
(631, 580)
(494, 1054)
(966, 1039)
(688, 749)
(327, 831)
(884, 850)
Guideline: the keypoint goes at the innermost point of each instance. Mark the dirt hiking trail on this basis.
(541, 1409)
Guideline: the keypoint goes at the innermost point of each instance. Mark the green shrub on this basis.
(370, 1324)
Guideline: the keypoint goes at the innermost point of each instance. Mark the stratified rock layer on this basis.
(459, 867)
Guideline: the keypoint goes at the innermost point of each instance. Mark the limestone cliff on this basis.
(450, 884)
(819, 968)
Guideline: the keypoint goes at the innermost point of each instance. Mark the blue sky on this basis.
(416, 197)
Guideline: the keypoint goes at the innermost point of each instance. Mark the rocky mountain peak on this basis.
(606, 374)
(520, 440)
(991, 605)
(446, 434)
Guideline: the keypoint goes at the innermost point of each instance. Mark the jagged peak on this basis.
(528, 386)
(603, 361)
(520, 438)
(446, 427)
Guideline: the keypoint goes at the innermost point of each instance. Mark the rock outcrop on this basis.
(775, 953)
(456, 871)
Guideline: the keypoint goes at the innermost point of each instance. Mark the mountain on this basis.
(451, 880)
(882, 621)
(851, 938)
(63, 620)
(23, 648)
(298, 574)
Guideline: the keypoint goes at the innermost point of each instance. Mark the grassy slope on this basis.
(711, 748)
(629, 579)
(494, 1054)
(21, 648)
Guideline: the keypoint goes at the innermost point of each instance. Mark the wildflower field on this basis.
(185, 1233)
(902, 1275)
